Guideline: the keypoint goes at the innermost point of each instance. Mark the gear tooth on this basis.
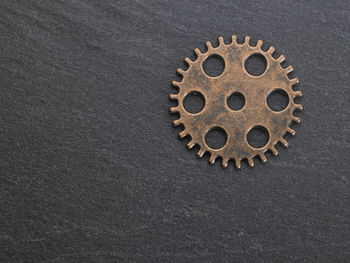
(197, 52)
(182, 134)
(271, 50)
(298, 106)
(208, 44)
(177, 122)
(262, 157)
(200, 153)
(190, 145)
(289, 69)
(173, 96)
(259, 44)
(176, 83)
(188, 61)
(296, 119)
(224, 163)
(294, 81)
(234, 40)
(212, 158)
(273, 150)
(180, 71)
(250, 162)
(174, 109)
(291, 131)
(281, 58)
(297, 93)
(238, 163)
(246, 40)
(221, 41)
(284, 142)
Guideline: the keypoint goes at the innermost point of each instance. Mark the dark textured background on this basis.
(92, 170)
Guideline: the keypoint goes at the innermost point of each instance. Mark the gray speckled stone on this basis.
(92, 170)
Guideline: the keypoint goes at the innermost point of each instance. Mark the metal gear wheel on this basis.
(217, 113)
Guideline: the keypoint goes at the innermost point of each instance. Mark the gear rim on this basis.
(235, 75)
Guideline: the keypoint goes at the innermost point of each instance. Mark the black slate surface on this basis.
(92, 170)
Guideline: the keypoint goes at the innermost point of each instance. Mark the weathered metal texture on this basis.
(216, 112)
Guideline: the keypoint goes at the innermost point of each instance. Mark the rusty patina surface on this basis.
(216, 112)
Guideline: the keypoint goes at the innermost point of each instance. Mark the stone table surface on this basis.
(93, 171)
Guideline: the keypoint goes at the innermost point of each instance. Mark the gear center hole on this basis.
(236, 101)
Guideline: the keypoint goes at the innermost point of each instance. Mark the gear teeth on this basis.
(221, 41)
(281, 58)
(188, 61)
(176, 83)
(197, 52)
(291, 131)
(250, 162)
(173, 96)
(238, 163)
(180, 71)
(200, 153)
(294, 81)
(177, 122)
(183, 88)
(297, 93)
(224, 163)
(289, 69)
(273, 150)
(247, 40)
(296, 119)
(234, 39)
(174, 109)
(259, 44)
(190, 145)
(212, 158)
(208, 44)
(298, 106)
(262, 158)
(182, 134)
(284, 142)
(271, 50)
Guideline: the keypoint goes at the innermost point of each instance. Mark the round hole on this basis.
(255, 64)
(216, 138)
(278, 100)
(258, 137)
(236, 101)
(194, 102)
(214, 65)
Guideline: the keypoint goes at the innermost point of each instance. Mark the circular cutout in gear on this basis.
(236, 123)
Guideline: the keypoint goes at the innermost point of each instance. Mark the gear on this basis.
(216, 112)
